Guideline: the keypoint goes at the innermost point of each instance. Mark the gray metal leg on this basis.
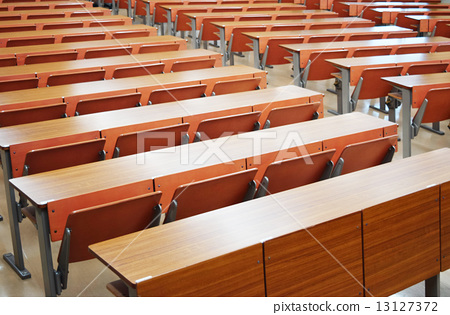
(296, 61)
(148, 19)
(223, 47)
(46, 252)
(15, 260)
(194, 34)
(169, 22)
(436, 128)
(406, 121)
(346, 105)
(256, 61)
(130, 11)
(432, 286)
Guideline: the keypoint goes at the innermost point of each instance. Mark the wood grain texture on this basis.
(240, 273)
(401, 242)
(445, 226)
(324, 260)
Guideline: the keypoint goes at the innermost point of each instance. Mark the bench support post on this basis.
(15, 261)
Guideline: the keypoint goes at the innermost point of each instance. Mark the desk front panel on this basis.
(445, 226)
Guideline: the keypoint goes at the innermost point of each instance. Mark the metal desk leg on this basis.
(432, 286)
(14, 260)
(46, 252)
(130, 12)
(223, 47)
(194, 34)
(148, 19)
(296, 61)
(256, 61)
(406, 121)
(169, 22)
(346, 105)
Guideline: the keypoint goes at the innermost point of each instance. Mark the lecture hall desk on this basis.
(301, 52)
(173, 9)
(275, 245)
(352, 68)
(50, 4)
(197, 18)
(69, 12)
(59, 33)
(135, 43)
(16, 141)
(427, 23)
(260, 39)
(109, 64)
(357, 8)
(388, 15)
(90, 184)
(414, 89)
(72, 93)
(328, 4)
(86, 22)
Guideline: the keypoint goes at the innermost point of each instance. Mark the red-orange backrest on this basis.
(411, 49)
(325, 26)
(442, 29)
(326, 38)
(20, 84)
(67, 155)
(360, 24)
(438, 107)
(240, 41)
(51, 57)
(442, 47)
(366, 154)
(83, 14)
(193, 65)
(278, 28)
(402, 34)
(135, 71)
(29, 115)
(106, 23)
(30, 41)
(292, 114)
(276, 54)
(373, 86)
(235, 86)
(31, 7)
(226, 126)
(8, 61)
(75, 77)
(365, 36)
(196, 198)
(46, 16)
(130, 34)
(11, 17)
(82, 37)
(319, 68)
(6, 29)
(158, 48)
(58, 26)
(209, 30)
(298, 171)
(69, 5)
(177, 93)
(254, 18)
(96, 224)
(149, 140)
(183, 22)
(367, 52)
(108, 103)
(107, 52)
(427, 68)
(291, 17)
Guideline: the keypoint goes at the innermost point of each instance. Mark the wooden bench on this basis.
(226, 257)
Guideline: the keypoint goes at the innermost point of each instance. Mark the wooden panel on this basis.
(239, 273)
(325, 260)
(401, 242)
(445, 226)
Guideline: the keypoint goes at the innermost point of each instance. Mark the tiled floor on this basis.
(90, 278)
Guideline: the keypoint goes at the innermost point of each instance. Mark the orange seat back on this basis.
(255, 18)
(20, 84)
(30, 41)
(365, 36)
(279, 28)
(427, 68)
(373, 86)
(75, 77)
(177, 93)
(442, 47)
(104, 104)
(183, 23)
(276, 55)
(82, 37)
(106, 23)
(67, 155)
(226, 126)
(326, 38)
(291, 17)
(325, 26)
(235, 86)
(24, 28)
(438, 107)
(240, 41)
(144, 49)
(209, 30)
(57, 26)
(51, 57)
(193, 65)
(292, 114)
(31, 7)
(130, 34)
(8, 61)
(149, 140)
(29, 115)
(411, 49)
(402, 34)
(319, 69)
(107, 52)
(135, 71)
(46, 16)
(367, 52)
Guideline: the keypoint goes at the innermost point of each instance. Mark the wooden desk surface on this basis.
(64, 20)
(50, 3)
(66, 183)
(357, 65)
(225, 24)
(58, 33)
(43, 70)
(137, 258)
(73, 92)
(427, 23)
(68, 11)
(22, 51)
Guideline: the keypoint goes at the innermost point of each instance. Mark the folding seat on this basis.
(317, 68)
(6, 29)
(57, 26)
(279, 28)
(135, 71)
(325, 39)
(18, 84)
(51, 57)
(276, 55)
(49, 15)
(182, 22)
(144, 49)
(75, 77)
(101, 23)
(107, 52)
(103, 104)
(130, 34)
(442, 47)
(82, 37)
(412, 49)
(177, 93)
(427, 68)
(325, 26)
(367, 52)
(30, 41)
(193, 65)
(8, 61)
(365, 36)
(28, 115)
(239, 42)
(235, 86)
(402, 34)
(293, 114)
